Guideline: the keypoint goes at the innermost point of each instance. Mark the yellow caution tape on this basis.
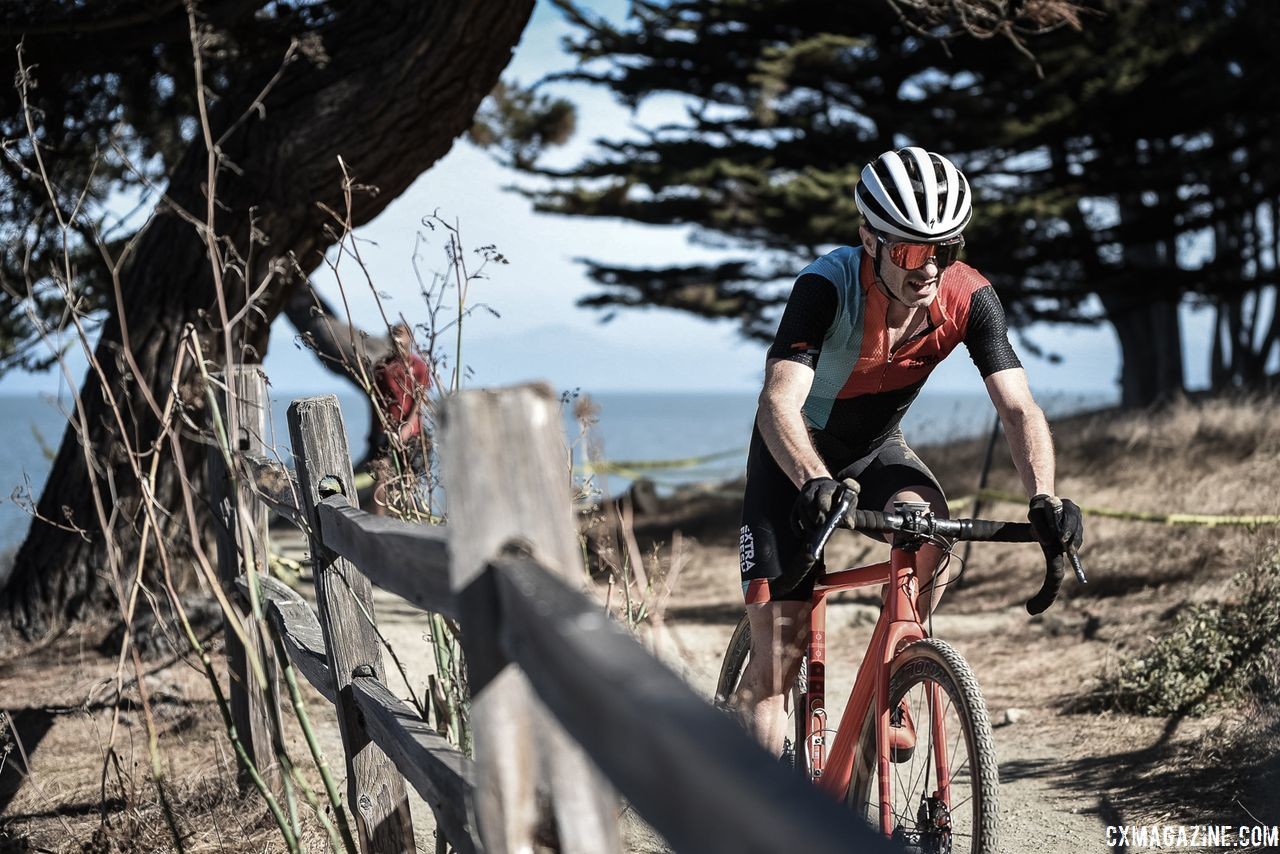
(1131, 515)
(632, 468)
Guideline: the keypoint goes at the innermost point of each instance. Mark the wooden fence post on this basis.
(506, 478)
(237, 536)
(375, 789)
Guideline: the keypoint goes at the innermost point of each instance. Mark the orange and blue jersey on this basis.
(836, 321)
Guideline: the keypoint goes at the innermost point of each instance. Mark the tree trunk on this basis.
(401, 81)
(1141, 308)
(340, 347)
(1150, 349)
(1145, 320)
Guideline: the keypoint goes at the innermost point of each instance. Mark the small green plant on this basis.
(1215, 653)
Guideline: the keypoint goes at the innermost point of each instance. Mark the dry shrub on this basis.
(212, 817)
(1214, 653)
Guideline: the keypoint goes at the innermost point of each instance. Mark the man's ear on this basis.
(868, 239)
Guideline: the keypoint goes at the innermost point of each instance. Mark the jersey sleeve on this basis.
(987, 334)
(420, 372)
(810, 310)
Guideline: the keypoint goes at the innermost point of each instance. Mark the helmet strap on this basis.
(875, 268)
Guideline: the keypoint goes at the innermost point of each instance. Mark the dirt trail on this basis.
(1042, 808)
(1065, 775)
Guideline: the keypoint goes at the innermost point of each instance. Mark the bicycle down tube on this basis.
(898, 625)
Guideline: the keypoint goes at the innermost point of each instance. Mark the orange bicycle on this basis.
(941, 794)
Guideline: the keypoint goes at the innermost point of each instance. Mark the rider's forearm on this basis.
(1032, 448)
(787, 438)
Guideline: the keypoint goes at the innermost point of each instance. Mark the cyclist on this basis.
(863, 328)
(401, 381)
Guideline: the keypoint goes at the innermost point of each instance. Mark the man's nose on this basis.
(930, 268)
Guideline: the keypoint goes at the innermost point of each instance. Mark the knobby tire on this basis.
(913, 669)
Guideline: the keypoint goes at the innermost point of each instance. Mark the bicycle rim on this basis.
(935, 682)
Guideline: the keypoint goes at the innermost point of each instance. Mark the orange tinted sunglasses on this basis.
(913, 256)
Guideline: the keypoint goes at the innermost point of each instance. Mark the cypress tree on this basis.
(1097, 152)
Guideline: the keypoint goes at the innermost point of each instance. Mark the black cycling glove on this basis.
(817, 497)
(1057, 523)
(1059, 527)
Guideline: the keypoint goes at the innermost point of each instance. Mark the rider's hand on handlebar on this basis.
(1057, 522)
(812, 508)
(1059, 527)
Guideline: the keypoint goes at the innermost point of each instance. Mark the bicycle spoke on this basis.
(897, 773)
(955, 747)
(935, 700)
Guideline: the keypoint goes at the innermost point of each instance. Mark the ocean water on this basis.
(630, 427)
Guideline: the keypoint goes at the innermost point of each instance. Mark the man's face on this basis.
(915, 288)
(402, 339)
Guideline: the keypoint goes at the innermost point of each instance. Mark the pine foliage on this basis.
(1118, 150)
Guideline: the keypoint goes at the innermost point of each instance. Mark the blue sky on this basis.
(541, 334)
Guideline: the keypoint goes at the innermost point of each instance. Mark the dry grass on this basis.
(1216, 456)
(76, 797)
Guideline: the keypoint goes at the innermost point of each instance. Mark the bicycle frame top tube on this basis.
(899, 623)
(847, 579)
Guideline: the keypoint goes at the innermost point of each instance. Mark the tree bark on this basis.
(1150, 349)
(339, 346)
(1142, 310)
(402, 80)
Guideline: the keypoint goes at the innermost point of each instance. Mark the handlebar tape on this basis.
(874, 522)
(1053, 574)
(984, 530)
(997, 532)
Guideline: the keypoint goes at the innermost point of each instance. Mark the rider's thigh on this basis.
(937, 501)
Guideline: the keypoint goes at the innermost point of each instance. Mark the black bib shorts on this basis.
(769, 549)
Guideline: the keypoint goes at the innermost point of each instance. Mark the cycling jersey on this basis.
(397, 379)
(836, 322)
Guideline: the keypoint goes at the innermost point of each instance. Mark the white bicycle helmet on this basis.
(914, 195)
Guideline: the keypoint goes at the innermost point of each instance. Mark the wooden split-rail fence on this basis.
(566, 707)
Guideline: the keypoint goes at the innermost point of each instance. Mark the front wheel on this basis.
(943, 797)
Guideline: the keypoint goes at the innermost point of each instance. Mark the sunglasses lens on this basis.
(948, 253)
(910, 256)
(913, 256)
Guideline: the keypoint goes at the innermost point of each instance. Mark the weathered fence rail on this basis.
(274, 485)
(548, 670)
